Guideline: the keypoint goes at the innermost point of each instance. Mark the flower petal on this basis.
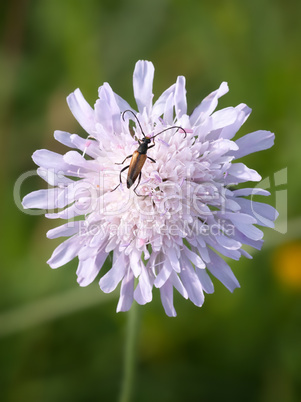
(173, 257)
(143, 291)
(229, 131)
(239, 172)
(126, 292)
(208, 105)
(50, 160)
(76, 159)
(87, 146)
(176, 282)
(88, 269)
(233, 254)
(82, 111)
(194, 258)
(122, 104)
(253, 142)
(244, 192)
(221, 270)
(227, 242)
(191, 283)
(166, 292)
(47, 199)
(164, 274)
(53, 178)
(249, 230)
(246, 240)
(264, 214)
(168, 110)
(224, 117)
(65, 252)
(163, 102)
(106, 94)
(205, 280)
(180, 97)
(246, 254)
(103, 115)
(237, 217)
(74, 210)
(112, 278)
(64, 138)
(135, 262)
(68, 229)
(143, 85)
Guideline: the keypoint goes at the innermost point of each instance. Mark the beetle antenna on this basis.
(170, 128)
(136, 118)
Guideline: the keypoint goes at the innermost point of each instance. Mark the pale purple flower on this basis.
(188, 214)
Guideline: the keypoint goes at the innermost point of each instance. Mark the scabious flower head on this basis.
(187, 214)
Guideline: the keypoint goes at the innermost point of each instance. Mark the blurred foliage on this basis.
(59, 342)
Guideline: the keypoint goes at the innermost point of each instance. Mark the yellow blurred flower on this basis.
(287, 264)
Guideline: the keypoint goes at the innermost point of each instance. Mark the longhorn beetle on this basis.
(139, 156)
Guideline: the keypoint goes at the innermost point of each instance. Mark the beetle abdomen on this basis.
(136, 165)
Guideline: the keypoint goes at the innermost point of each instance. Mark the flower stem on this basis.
(130, 355)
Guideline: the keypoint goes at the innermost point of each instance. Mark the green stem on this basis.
(130, 355)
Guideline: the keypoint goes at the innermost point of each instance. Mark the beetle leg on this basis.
(124, 160)
(153, 160)
(122, 170)
(151, 146)
(139, 179)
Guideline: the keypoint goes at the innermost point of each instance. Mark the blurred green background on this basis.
(60, 342)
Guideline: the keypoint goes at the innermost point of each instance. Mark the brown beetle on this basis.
(139, 156)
